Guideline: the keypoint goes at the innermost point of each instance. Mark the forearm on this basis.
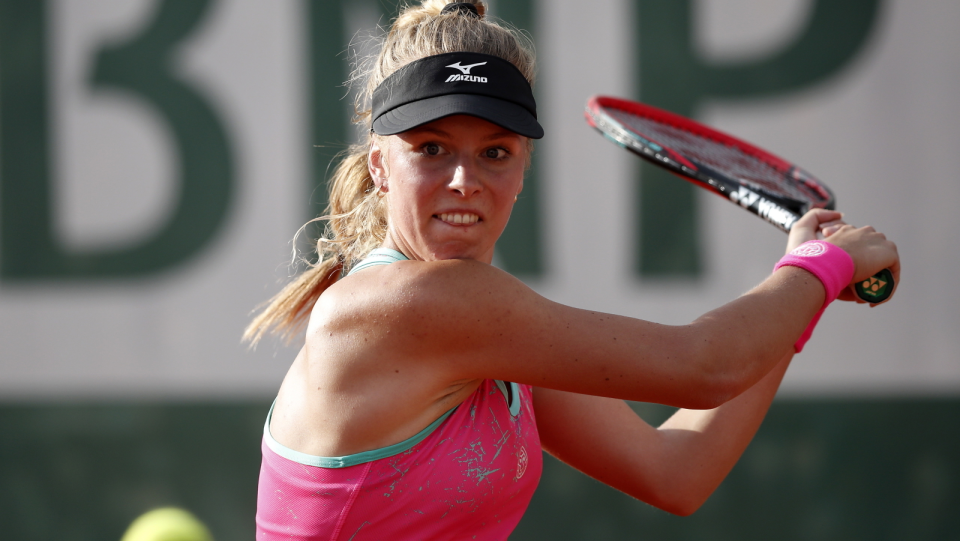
(675, 467)
(745, 338)
(700, 447)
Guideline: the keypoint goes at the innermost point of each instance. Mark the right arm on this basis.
(485, 324)
(462, 319)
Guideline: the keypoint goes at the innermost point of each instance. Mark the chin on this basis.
(462, 252)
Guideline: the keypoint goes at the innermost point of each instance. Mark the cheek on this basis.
(408, 200)
(512, 187)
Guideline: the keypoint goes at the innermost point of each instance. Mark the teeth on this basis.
(452, 218)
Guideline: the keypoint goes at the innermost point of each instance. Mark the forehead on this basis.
(462, 127)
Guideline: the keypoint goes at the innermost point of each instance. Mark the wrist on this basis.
(830, 264)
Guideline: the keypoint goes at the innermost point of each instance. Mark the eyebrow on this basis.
(436, 131)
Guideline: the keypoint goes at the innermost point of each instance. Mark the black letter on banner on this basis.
(329, 71)
(520, 249)
(140, 67)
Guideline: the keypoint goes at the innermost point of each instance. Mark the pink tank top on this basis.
(469, 475)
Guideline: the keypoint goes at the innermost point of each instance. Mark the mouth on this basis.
(458, 218)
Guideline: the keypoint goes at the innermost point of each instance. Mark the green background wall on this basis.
(823, 470)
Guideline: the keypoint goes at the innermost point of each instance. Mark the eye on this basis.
(431, 149)
(495, 153)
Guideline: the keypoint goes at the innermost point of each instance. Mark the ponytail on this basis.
(356, 223)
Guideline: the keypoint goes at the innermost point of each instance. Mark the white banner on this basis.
(880, 130)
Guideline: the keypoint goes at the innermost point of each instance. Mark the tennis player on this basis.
(430, 381)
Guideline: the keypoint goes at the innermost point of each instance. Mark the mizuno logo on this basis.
(465, 74)
(465, 69)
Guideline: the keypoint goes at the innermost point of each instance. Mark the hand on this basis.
(870, 250)
(876, 247)
(816, 221)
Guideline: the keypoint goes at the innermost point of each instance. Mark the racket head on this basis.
(767, 185)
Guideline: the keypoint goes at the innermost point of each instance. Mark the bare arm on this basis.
(391, 348)
(468, 320)
(459, 320)
(675, 467)
(462, 319)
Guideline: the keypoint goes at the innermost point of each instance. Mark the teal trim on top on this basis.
(512, 397)
(348, 460)
(380, 256)
(515, 404)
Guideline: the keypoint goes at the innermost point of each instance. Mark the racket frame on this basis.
(780, 211)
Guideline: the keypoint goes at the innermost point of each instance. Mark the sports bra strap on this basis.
(380, 256)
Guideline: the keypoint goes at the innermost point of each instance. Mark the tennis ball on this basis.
(167, 524)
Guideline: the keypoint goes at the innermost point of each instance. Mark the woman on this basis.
(411, 410)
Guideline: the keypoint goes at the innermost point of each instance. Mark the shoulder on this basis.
(410, 286)
(419, 303)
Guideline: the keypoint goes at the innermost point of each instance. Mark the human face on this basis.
(450, 186)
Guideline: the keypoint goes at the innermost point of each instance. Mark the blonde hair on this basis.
(356, 216)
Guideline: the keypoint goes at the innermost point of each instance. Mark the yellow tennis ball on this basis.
(167, 524)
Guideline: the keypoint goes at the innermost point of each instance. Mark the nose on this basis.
(465, 181)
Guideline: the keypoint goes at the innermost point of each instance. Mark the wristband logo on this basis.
(809, 249)
(465, 74)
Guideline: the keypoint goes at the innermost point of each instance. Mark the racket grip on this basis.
(877, 288)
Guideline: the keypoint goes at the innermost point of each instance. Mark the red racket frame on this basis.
(779, 210)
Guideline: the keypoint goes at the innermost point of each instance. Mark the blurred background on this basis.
(157, 156)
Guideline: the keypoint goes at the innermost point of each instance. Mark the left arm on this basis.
(675, 467)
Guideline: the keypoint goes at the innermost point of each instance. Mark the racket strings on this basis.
(724, 158)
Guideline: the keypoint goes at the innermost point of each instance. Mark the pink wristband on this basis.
(831, 265)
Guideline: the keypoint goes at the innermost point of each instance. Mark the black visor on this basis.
(435, 87)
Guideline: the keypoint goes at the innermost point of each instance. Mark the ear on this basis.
(376, 166)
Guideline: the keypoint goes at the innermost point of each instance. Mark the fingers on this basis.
(831, 227)
(872, 252)
(816, 218)
(870, 249)
(895, 270)
(807, 227)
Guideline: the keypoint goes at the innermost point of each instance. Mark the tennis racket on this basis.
(766, 185)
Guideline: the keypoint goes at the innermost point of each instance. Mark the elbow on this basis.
(684, 498)
(678, 491)
(681, 503)
(682, 512)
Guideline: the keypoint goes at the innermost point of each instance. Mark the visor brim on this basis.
(500, 112)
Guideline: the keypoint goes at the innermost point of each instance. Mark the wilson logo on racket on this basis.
(464, 74)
